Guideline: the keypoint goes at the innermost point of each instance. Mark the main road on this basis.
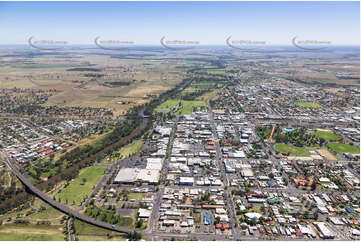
(61, 206)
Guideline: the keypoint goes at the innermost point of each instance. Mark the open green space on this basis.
(327, 135)
(136, 196)
(16, 232)
(291, 149)
(81, 187)
(343, 148)
(84, 231)
(168, 104)
(186, 107)
(131, 148)
(308, 105)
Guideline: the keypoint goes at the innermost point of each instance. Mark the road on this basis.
(228, 195)
(61, 206)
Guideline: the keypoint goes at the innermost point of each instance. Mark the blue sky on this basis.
(206, 22)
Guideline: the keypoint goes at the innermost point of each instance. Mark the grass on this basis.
(327, 135)
(293, 150)
(131, 148)
(77, 190)
(82, 228)
(207, 95)
(169, 104)
(49, 214)
(343, 148)
(308, 105)
(16, 232)
(136, 195)
(186, 106)
(127, 222)
(197, 218)
(100, 238)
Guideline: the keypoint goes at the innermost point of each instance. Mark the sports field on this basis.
(327, 135)
(293, 150)
(343, 148)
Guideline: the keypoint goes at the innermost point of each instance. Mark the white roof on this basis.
(151, 176)
(253, 215)
(127, 175)
(144, 213)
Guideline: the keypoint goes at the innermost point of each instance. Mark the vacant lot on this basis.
(308, 105)
(327, 135)
(88, 232)
(82, 186)
(136, 195)
(292, 150)
(18, 232)
(343, 148)
(327, 154)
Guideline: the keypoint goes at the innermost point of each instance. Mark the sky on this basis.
(209, 23)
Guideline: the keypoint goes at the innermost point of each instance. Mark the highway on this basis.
(61, 206)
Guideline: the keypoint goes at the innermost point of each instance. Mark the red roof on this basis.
(222, 226)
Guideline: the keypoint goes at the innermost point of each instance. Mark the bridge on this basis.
(61, 206)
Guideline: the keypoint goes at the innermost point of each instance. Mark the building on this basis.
(186, 181)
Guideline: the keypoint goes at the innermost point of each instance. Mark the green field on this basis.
(77, 190)
(84, 231)
(187, 106)
(16, 232)
(343, 148)
(168, 104)
(293, 150)
(131, 148)
(327, 135)
(308, 105)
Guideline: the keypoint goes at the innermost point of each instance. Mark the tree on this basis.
(313, 186)
(139, 223)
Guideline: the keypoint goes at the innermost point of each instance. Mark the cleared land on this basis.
(327, 135)
(88, 232)
(16, 232)
(343, 148)
(292, 150)
(137, 196)
(82, 186)
(308, 105)
(327, 154)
